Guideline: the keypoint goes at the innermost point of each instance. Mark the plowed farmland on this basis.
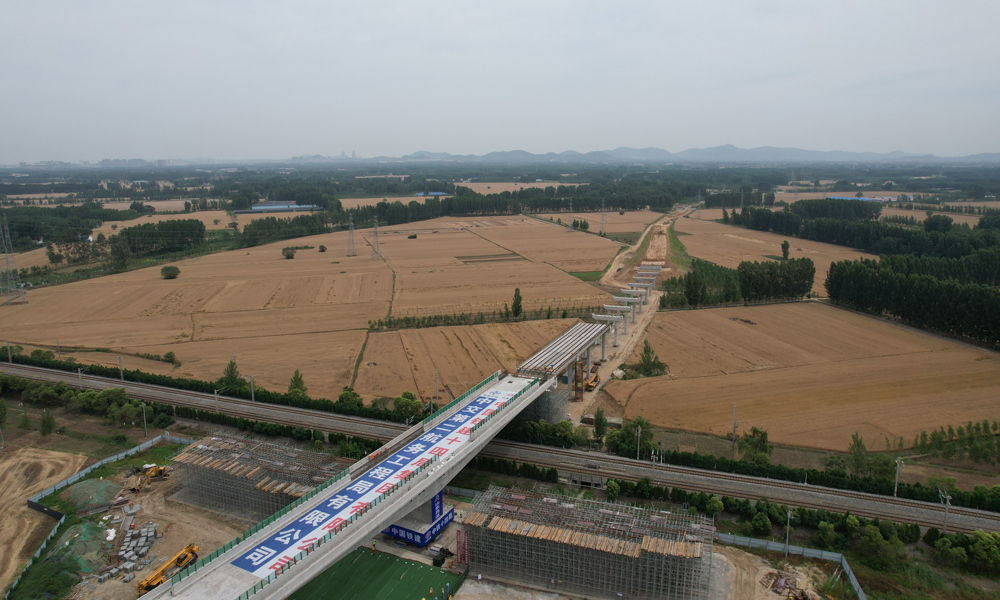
(22, 474)
(810, 374)
(728, 245)
(399, 361)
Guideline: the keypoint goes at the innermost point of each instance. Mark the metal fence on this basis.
(83, 474)
(34, 502)
(37, 555)
(737, 540)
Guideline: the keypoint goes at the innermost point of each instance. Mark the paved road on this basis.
(578, 461)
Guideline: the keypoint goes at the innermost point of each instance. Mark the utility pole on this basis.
(899, 467)
(638, 432)
(79, 374)
(734, 429)
(351, 250)
(252, 399)
(602, 216)
(435, 384)
(946, 500)
(376, 252)
(58, 349)
(10, 359)
(145, 431)
(570, 224)
(788, 527)
(121, 371)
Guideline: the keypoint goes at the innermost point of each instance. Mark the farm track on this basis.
(577, 461)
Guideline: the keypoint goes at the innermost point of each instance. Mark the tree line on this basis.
(708, 283)
(31, 225)
(965, 310)
(940, 237)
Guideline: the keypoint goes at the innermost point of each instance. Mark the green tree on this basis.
(877, 552)
(296, 383)
(761, 525)
(784, 249)
(119, 254)
(25, 423)
(3, 413)
(170, 272)
(626, 438)
(754, 444)
(600, 425)
(516, 308)
(714, 507)
(695, 288)
(48, 423)
(649, 364)
(231, 378)
(858, 457)
(350, 399)
(825, 536)
(288, 253)
(408, 404)
(612, 489)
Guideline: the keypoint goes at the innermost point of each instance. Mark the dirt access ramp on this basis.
(620, 273)
(24, 473)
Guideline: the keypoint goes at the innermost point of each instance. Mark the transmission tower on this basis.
(570, 223)
(741, 199)
(602, 216)
(376, 253)
(10, 281)
(351, 250)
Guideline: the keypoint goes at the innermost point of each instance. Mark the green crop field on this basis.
(361, 576)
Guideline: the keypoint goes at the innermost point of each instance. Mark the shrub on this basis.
(322, 248)
(761, 525)
(170, 357)
(288, 253)
(170, 272)
(48, 423)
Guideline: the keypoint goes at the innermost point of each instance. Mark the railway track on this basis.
(577, 461)
(743, 486)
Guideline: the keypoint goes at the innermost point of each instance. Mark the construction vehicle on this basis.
(592, 382)
(156, 472)
(168, 569)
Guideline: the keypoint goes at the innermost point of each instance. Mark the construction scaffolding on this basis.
(584, 547)
(246, 478)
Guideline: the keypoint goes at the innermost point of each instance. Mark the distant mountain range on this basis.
(719, 154)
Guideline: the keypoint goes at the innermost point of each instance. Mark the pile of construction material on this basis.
(785, 585)
(133, 555)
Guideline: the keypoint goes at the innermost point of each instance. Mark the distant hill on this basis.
(728, 154)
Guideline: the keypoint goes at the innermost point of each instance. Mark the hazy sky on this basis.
(139, 79)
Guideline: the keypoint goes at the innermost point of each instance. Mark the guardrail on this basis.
(294, 560)
(474, 390)
(836, 557)
(509, 401)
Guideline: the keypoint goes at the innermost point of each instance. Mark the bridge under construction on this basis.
(290, 548)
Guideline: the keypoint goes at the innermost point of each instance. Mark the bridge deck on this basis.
(413, 467)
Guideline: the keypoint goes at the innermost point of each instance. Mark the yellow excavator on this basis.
(168, 569)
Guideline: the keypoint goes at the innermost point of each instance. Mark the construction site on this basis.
(246, 478)
(565, 544)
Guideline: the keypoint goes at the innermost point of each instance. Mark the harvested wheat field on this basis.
(810, 374)
(473, 265)
(728, 245)
(558, 246)
(274, 314)
(920, 215)
(495, 187)
(356, 202)
(398, 361)
(633, 221)
(24, 473)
